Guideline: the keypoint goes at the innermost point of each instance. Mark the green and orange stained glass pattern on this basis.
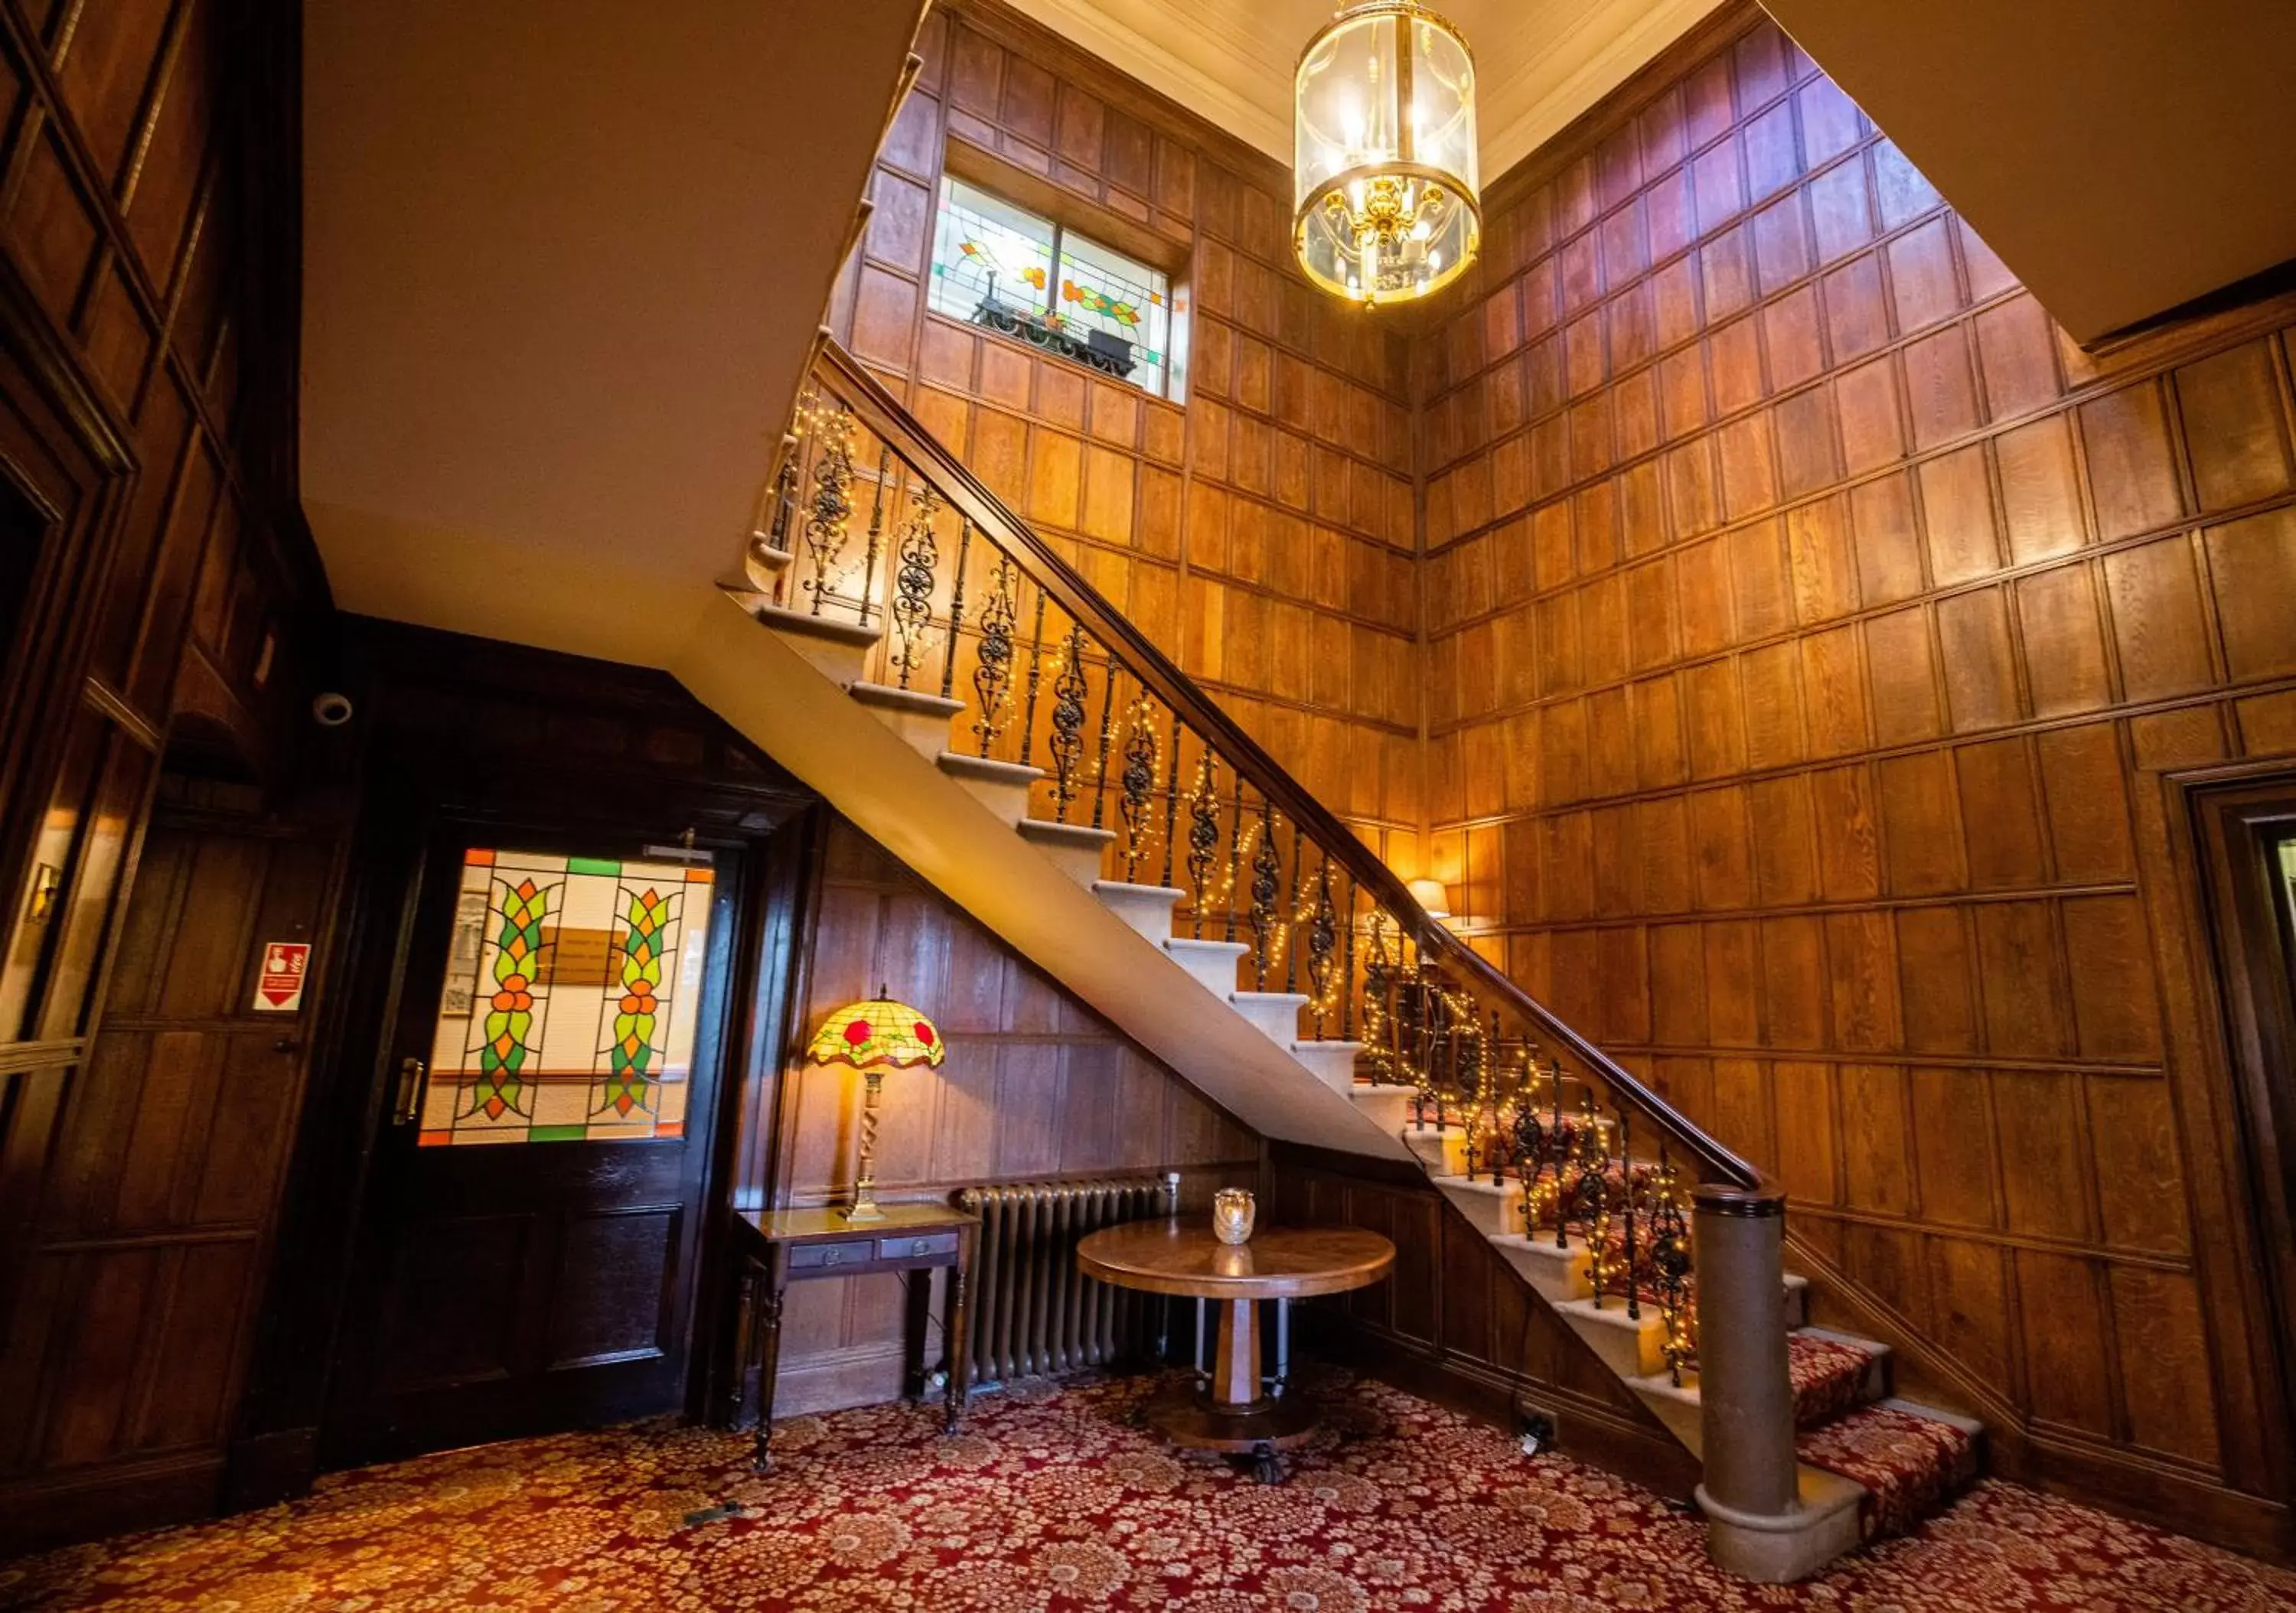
(984, 245)
(569, 1009)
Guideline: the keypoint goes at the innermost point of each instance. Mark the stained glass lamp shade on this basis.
(1384, 181)
(873, 1037)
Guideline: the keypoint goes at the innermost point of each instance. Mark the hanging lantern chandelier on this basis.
(1385, 172)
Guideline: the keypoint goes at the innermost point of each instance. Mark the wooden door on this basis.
(527, 1258)
(2246, 839)
(145, 1257)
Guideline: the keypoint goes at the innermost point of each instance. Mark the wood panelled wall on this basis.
(141, 335)
(1035, 1086)
(1262, 532)
(1810, 628)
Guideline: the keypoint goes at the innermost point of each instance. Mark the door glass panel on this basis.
(569, 1008)
(2283, 891)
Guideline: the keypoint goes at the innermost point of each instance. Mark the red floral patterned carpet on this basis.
(1054, 1501)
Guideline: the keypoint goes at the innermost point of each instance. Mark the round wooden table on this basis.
(1232, 1415)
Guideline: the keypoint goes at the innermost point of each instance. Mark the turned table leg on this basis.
(769, 1354)
(956, 1334)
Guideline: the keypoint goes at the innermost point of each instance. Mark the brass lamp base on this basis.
(863, 1207)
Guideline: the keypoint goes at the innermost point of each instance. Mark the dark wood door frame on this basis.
(2243, 959)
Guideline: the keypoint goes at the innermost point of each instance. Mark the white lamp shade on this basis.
(1431, 894)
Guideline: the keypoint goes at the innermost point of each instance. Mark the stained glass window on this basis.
(569, 1008)
(999, 265)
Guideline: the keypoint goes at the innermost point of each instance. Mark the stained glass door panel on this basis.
(569, 1006)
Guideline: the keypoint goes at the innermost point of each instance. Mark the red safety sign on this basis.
(279, 988)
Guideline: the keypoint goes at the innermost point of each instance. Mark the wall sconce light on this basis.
(873, 1037)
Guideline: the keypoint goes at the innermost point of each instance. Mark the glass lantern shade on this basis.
(1384, 175)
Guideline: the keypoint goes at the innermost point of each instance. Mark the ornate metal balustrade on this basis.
(978, 606)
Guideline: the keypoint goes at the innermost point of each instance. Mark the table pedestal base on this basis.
(1231, 1415)
(1194, 1421)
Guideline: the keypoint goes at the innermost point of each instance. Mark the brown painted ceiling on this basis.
(2123, 157)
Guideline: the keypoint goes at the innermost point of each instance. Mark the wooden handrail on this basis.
(893, 425)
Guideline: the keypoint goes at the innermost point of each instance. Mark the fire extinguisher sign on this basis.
(279, 988)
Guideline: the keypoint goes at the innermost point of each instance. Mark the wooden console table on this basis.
(789, 1245)
(1232, 1415)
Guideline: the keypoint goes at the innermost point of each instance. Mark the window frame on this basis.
(1048, 308)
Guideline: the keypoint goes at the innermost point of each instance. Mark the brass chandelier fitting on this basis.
(1385, 173)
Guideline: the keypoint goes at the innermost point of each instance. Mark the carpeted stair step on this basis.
(1331, 1062)
(1909, 1459)
(1075, 848)
(1387, 1106)
(1213, 963)
(837, 648)
(1496, 1209)
(1002, 787)
(1834, 1373)
(921, 719)
(1147, 908)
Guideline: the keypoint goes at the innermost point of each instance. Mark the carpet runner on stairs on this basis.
(1910, 1463)
(1831, 1375)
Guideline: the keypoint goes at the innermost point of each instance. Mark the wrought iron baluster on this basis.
(1323, 944)
(1292, 916)
(1172, 798)
(1203, 840)
(1378, 1029)
(1670, 1266)
(915, 555)
(1036, 672)
(1267, 885)
(1491, 1049)
(777, 534)
(1591, 1193)
(827, 524)
(956, 609)
(1555, 1146)
(992, 677)
(1107, 736)
(1348, 967)
(1234, 859)
(1412, 1033)
(1066, 739)
(1142, 753)
(1531, 1143)
(876, 530)
(1626, 1196)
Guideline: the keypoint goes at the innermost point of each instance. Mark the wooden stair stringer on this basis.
(777, 696)
(1936, 1378)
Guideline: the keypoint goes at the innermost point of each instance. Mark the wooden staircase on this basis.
(832, 685)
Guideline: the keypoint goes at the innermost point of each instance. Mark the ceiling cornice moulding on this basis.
(1543, 63)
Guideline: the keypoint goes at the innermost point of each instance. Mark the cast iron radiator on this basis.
(1031, 1312)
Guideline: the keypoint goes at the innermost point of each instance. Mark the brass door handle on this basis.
(410, 1092)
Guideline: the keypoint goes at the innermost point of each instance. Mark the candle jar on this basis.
(1232, 1213)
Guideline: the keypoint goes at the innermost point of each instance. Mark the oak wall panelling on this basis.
(1035, 1088)
(1261, 528)
(1811, 627)
(143, 382)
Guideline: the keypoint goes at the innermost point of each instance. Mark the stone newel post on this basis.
(1761, 1524)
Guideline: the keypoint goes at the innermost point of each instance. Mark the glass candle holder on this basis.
(1232, 1212)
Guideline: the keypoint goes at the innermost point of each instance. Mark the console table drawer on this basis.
(809, 1256)
(916, 1246)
